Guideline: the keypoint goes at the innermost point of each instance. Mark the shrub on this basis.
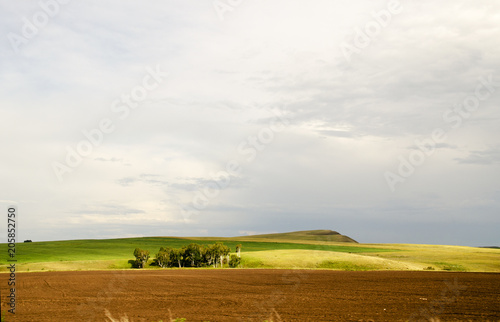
(346, 266)
(234, 261)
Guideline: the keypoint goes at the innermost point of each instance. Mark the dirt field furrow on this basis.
(255, 295)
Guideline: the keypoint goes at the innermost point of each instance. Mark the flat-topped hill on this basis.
(316, 235)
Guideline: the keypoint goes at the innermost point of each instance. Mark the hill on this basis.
(315, 235)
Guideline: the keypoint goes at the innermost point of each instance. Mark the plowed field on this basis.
(254, 295)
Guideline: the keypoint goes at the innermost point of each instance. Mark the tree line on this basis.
(192, 255)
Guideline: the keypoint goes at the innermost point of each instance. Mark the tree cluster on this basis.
(192, 255)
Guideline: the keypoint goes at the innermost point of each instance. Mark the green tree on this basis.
(176, 256)
(206, 255)
(163, 258)
(193, 255)
(212, 254)
(220, 251)
(141, 257)
(225, 253)
(238, 250)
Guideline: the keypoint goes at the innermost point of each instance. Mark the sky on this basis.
(376, 119)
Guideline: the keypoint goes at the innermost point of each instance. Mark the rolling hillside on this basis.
(323, 249)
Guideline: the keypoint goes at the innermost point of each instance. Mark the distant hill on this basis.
(316, 235)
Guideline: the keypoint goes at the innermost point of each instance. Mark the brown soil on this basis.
(254, 295)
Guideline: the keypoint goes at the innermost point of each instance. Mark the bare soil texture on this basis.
(253, 295)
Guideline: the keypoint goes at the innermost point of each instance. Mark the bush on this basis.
(450, 267)
(346, 266)
(234, 261)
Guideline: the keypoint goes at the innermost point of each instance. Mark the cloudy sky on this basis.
(377, 119)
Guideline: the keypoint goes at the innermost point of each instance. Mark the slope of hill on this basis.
(311, 249)
(314, 235)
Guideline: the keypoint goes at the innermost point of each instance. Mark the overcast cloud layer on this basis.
(378, 119)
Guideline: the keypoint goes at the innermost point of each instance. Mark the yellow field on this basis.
(408, 257)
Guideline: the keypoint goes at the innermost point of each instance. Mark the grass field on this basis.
(289, 250)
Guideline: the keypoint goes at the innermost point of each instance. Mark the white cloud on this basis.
(349, 121)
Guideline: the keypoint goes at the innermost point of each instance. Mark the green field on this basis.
(311, 249)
